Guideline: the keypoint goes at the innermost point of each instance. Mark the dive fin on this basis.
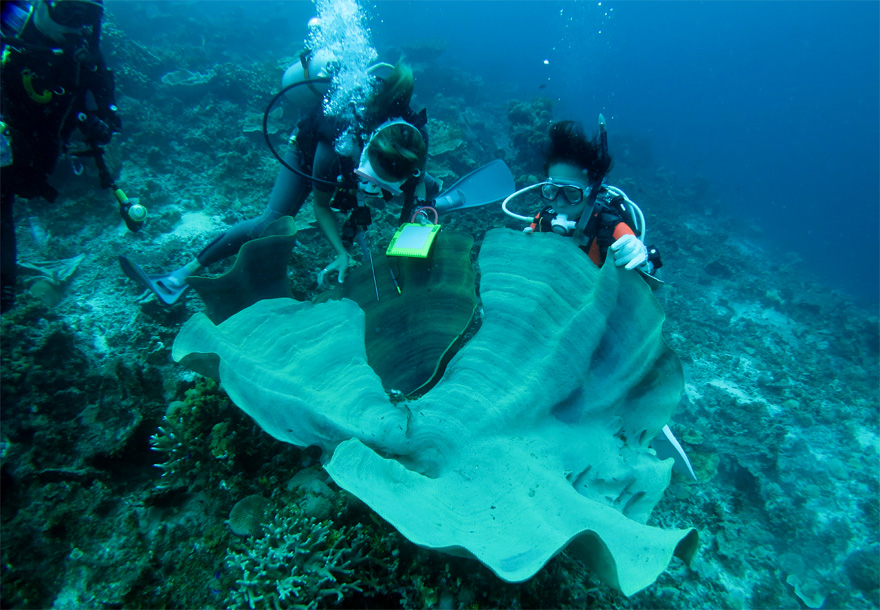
(652, 280)
(667, 446)
(487, 184)
(167, 291)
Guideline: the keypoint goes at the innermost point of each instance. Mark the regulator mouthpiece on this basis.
(561, 225)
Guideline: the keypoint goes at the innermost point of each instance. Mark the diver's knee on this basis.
(262, 223)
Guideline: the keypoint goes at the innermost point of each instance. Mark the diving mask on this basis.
(572, 193)
(550, 191)
(371, 182)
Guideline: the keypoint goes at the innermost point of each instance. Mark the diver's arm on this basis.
(421, 190)
(424, 193)
(326, 220)
(651, 262)
(411, 198)
(102, 84)
(628, 250)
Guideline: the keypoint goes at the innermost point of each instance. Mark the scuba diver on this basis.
(377, 150)
(599, 216)
(381, 153)
(54, 81)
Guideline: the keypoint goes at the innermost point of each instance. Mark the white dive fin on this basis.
(490, 183)
(667, 446)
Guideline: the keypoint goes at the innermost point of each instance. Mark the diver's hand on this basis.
(340, 265)
(96, 131)
(630, 252)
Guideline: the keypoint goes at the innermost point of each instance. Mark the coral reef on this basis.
(529, 122)
(780, 418)
(298, 562)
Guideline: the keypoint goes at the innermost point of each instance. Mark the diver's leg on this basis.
(288, 195)
(287, 198)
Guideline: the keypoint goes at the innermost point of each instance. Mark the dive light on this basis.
(133, 213)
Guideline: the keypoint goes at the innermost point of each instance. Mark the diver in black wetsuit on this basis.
(384, 154)
(54, 80)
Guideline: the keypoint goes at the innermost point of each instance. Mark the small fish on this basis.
(542, 86)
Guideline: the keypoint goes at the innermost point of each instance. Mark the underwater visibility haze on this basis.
(482, 427)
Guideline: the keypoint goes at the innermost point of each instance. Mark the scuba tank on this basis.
(319, 64)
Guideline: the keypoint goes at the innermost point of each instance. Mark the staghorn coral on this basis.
(298, 562)
(166, 440)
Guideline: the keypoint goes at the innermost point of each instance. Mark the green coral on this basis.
(166, 440)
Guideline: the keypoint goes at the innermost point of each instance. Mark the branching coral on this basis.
(298, 562)
(189, 438)
(166, 440)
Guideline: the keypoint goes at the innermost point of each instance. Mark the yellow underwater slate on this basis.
(413, 240)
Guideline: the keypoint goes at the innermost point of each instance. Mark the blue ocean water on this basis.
(775, 103)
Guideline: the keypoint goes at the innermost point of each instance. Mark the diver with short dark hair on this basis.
(53, 81)
(579, 204)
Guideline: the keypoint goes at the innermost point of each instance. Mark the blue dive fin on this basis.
(167, 292)
(667, 446)
(490, 183)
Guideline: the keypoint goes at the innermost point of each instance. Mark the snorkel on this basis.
(595, 187)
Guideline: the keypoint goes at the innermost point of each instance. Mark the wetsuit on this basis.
(313, 154)
(48, 91)
(606, 226)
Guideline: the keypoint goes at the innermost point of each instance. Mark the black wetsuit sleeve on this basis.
(325, 166)
(102, 84)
